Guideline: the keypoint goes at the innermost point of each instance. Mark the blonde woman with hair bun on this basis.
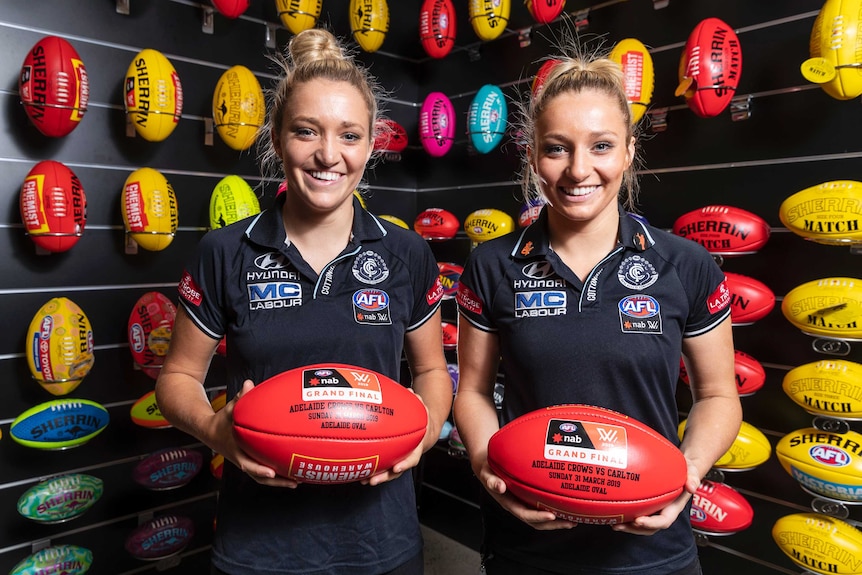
(591, 305)
(281, 287)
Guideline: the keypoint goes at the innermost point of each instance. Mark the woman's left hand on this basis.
(409, 462)
(651, 524)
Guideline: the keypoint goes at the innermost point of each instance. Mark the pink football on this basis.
(750, 299)
(168, 468)
(160, 537)
(724, 230)
(437, 124)
(719, 509)
(329, 423)
(587, 464)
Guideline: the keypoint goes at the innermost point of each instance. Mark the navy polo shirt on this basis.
(613, 340)
(247, 283)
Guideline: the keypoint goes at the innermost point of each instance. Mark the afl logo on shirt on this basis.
(640, 314)
(636, 272)
(370, 268)
(371, 306)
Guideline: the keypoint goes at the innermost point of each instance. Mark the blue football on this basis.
(486, 118)
(66, 559)
(59, 424)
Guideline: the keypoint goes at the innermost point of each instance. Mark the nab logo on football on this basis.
(271, 295)
(640, 306)
(828, 455)
(540, 303)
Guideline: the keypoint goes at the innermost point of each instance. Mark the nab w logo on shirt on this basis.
(540, 303)
(640, 314)
(272, 295)
(371, 307)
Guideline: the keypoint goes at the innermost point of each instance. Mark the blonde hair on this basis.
(312, 54)
(576, 73)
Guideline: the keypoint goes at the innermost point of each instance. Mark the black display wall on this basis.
(796, 136)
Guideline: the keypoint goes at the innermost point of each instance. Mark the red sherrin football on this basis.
(392, 137)
(724, 230)
(545, 11)
(712, 59)
(53, 86)
(750, 299)
(749, 373)
(437, 25)
(436, 224)
(231, 8)
(719, 509)
(151, 324)
(587, 464)
(53, 206)
(329, 423)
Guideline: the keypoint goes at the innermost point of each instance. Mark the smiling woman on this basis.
(623, 301)
(289, 288)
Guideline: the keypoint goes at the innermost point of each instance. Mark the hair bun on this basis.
(314, 44)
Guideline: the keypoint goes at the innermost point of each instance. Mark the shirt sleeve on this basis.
(474, 290)
(427, 289)
(709, 297)
(201, 288)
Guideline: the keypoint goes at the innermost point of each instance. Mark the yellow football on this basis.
(298, 15)
(369, 23)
(824, 463)
(395, 220)
(639, 74)
(60, 346)
(826, 307)
(750, 449)
(835, 47)
(486, 224)
(232, 199)
(489, 17)
(153, 95)
(819, 543)
(238, 107)
(829, 387)
(149, 209)
(827, 213)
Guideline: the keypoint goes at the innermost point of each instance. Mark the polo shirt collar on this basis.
(267, 228)
(535, 239)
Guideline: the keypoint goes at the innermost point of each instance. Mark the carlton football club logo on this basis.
(636, 272)
(370, 268)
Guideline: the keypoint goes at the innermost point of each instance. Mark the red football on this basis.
(231, 8)
(587, 464)
(719, 509)
(329, 423)
(168, 468)
(53, 86)
(161, 537)
(391, 138)
(750, 299)
(749, 373)
(436, 224)
(437, 25)
(545, 11)
(450, 335)
(151, 324)
(53, 206)
(710, 67)
(724, 230)
(542, 75)
(450, 278)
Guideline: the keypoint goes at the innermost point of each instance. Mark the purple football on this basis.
(168, 468)
(160, 537)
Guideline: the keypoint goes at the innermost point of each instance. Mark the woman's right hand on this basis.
(535, 518)
(231, 450)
